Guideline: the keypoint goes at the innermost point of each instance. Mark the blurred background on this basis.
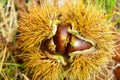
(10, 11)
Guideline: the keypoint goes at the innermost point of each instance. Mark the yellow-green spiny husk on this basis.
(91, 23)
(34, 27)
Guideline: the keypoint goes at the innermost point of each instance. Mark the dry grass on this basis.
(8, 28)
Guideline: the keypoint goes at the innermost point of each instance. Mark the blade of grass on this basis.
(3, 2)
(3, 58)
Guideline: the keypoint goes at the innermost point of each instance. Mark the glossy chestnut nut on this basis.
(117, 73)
(61, 38)
(63, 42)
(77, 44)
(50, 46)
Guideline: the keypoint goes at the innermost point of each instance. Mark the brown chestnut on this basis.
(117, 73)
(61, 38)
(77, 44)
(64, 42)
(50, 46)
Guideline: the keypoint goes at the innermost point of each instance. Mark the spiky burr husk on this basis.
(91, 23)
(34, 27)
(88, 23)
